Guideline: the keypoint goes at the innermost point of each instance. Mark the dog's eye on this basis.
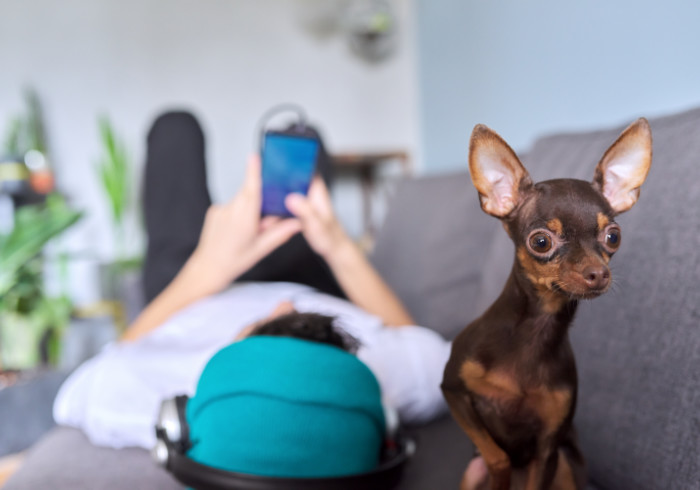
(612, 238)
(540, 242)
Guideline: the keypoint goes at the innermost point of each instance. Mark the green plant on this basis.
(26, 312)
(36, 133)
(113, 169)
(12, 144)
(27, 132)
(34, 226)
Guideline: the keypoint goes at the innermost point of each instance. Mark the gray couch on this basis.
(637, 347)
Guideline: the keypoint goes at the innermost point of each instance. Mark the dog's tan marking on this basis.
(603, 221)
(564, 477)
(490, 384)
(496, 459)
(552, 407)
(552, 302)
(543, 276)
(556, 226)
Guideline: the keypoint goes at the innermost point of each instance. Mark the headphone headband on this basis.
(278, 109)
(170, 452)
(202, 477)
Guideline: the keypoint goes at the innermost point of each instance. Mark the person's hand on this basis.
(318, 222)
(234, 238)
(356, 276)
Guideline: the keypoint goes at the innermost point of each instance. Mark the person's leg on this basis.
(175, 197)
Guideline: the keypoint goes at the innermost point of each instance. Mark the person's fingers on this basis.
(319, 196)
(475, 476)
(275, 236)
(210, 220)
(253, 176)
(247, 202)
(320, 189)
(299, 206)
(268, 221)
(213, 211)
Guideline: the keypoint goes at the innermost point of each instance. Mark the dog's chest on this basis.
(511, 407)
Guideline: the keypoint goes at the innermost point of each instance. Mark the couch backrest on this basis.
(431, 249)
(637, 347)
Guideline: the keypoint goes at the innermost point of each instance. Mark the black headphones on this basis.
(299, 127)
(173, 442)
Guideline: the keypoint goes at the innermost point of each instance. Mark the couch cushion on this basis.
(443, 453)
(431, 249)
(65, 459)
(638, 346)
(26, 409)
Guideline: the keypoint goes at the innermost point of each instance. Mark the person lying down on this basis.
(114, 398)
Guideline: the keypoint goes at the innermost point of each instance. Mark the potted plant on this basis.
(121, 275)
(26, 143)
(31, 322)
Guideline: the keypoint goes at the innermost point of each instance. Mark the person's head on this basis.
(307, 326)
(290, 400)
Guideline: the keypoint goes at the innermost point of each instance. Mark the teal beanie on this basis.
(286, 407)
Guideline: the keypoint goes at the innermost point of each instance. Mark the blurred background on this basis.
(394, 86)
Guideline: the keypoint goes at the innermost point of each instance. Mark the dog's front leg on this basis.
(542, 468)
(496, 459)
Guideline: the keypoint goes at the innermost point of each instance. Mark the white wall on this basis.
(525, 67)
(227, 60)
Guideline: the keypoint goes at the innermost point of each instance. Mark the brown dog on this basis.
(511, 379)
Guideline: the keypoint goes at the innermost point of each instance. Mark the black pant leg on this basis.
(295, 261)
(175, 197)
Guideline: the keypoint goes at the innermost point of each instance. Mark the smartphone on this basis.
(288, 164)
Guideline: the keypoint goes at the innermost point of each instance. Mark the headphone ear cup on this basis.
(184, 443)
(391, 447)
(172, 431)
(391, 418)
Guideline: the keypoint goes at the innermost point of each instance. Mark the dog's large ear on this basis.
(496, 172)
(624, 167)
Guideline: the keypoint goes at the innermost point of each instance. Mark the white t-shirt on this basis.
(114, 397)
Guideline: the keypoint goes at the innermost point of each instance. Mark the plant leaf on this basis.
(34, 226)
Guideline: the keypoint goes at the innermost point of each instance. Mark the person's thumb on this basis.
(275, 235)
(299, 206)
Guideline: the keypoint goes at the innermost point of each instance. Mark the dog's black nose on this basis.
(597, 277)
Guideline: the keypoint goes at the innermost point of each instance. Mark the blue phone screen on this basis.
(288, 164)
